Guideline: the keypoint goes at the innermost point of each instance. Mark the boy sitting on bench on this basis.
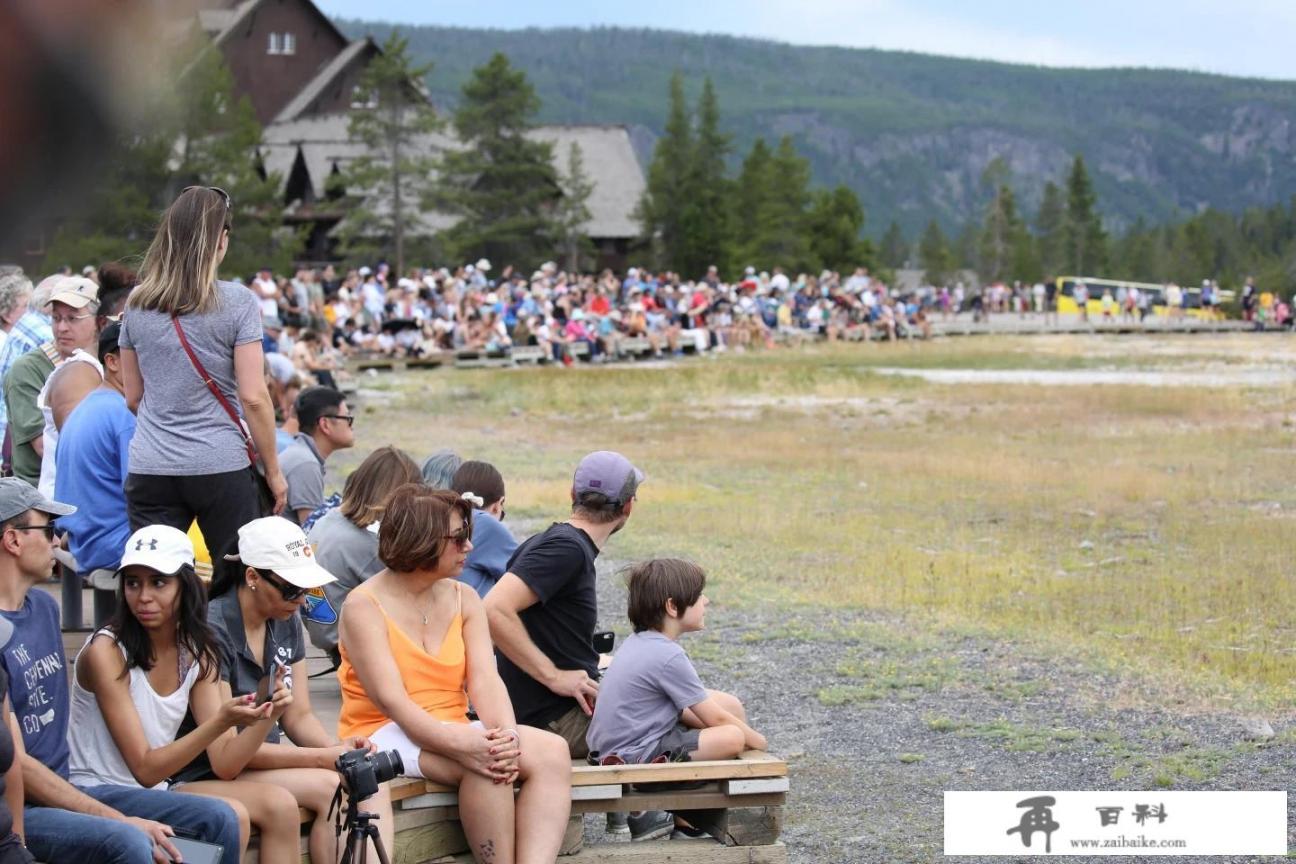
(651, 704)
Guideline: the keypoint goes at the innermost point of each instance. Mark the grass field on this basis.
(1146, 531)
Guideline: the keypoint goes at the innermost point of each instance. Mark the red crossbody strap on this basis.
(215, 391)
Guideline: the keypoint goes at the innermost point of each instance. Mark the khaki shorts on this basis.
(571, 727)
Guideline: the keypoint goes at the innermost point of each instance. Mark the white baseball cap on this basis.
(273, 543)
(160, 548)
(483, 265)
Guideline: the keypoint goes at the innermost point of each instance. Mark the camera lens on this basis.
(387, 766)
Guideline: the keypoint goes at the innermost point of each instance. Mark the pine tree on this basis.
(1000, 236)
(665, 199)
(895, 249)
(834, 224)
(1086, 242)
(934, 254)
(783, 238)
(391, 182)
(706, 238)
(502, 184)
(572, 214)
(753, 204)
(1050, 224)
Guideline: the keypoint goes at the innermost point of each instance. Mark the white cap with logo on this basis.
(160, 548)
(273, 543)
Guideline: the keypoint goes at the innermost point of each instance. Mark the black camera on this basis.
(362, 771)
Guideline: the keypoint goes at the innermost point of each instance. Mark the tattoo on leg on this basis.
(488, 852)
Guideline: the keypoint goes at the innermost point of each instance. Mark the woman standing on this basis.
(192, 366)
(415, 648)
(253, 612)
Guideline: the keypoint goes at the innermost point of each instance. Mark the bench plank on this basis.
(696, 799)
(667, 852)
(753, 763)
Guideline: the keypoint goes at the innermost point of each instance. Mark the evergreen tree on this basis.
(391, 183)
(895, 249)
(665, 199)
(1086, 242)
(833, 226)
(753, 203)
(502, 184)
(1050, 224)
(934, 254)
(1000, 236)
(706, 235)
(572, 214)
(784, 240)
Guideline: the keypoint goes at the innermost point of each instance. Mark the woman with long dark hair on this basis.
(415, 648)
(192, 368)
(137, 678)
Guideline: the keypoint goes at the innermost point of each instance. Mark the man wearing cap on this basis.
(63, 823)
(92, 455)
(73, 303)
(325, 423)
(544, 610)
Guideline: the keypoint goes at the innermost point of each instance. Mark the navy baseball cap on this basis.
(608, 474)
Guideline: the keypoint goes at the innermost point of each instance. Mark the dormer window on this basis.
(289, 43)
(361, 98)
(276, 44)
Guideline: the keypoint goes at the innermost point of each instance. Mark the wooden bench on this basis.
(579, 350)
(530, 354)
(473, 359)
(738, 801)
(635, 347)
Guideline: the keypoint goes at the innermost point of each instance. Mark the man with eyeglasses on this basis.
(61, 822)
(325, 423)
(73, 305)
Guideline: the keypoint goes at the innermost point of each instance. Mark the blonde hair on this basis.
(179, 272)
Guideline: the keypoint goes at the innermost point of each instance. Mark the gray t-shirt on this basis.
(350, 554)
(181, 430)
(303, 468)
(641, 695)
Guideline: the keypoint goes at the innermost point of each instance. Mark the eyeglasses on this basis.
(288, 592)
(349, 418)
(460, 538)
(229, 204)
(70, 319)
(49, 529)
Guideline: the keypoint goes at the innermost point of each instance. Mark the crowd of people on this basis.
(143, 414)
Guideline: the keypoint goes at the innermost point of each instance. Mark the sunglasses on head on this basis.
(229, 203)
(288, 592)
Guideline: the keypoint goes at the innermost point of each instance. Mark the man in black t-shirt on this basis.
(544, 609)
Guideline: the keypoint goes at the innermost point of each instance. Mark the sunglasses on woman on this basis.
(229, 203)
(288, 592)
(460, 538)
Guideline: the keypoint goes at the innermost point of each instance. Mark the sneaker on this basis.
(686, 832)
(650, 824)
(617, 824)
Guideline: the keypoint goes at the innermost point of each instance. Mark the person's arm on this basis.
(99, 669)
(712, 715)
(231, 752)
(486, 690)
(504, 605)
(132, 380)
(22, 388)
(73, 384)
(364, 631)
(315, 747)
(258, 411)
(14, 776)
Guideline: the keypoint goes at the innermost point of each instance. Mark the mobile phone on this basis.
(198, 851)
(604, 641)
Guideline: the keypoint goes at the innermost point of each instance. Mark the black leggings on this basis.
(222, 503)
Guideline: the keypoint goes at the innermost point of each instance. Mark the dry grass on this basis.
(1147, 529)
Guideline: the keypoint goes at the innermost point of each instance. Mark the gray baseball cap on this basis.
(609, 474)
(18, 496)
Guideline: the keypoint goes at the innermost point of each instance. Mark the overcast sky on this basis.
(1236, 37)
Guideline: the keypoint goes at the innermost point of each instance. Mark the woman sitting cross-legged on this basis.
(413, 639)
(253, 612)
(136, 678)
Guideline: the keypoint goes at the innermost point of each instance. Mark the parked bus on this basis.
(1192, 304)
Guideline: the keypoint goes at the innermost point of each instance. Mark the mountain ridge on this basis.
(912, 133)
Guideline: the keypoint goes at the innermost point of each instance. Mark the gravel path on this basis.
(877, 720)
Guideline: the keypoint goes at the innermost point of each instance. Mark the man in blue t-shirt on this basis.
(64, 823)
(94, 446)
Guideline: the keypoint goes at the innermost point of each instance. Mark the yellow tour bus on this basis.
(1190, 302)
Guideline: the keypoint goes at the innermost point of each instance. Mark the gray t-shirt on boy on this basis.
(649, 683)
(350, 554)
(181, 430)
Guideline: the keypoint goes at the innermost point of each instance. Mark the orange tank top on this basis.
(434, 682)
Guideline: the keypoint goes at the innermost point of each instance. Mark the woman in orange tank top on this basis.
(415, 648)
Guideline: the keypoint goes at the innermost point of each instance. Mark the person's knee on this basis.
(123, 844)
(551, 756)
(277, 806)
(731, 703)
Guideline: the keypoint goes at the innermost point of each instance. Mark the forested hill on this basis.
(912, 133)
